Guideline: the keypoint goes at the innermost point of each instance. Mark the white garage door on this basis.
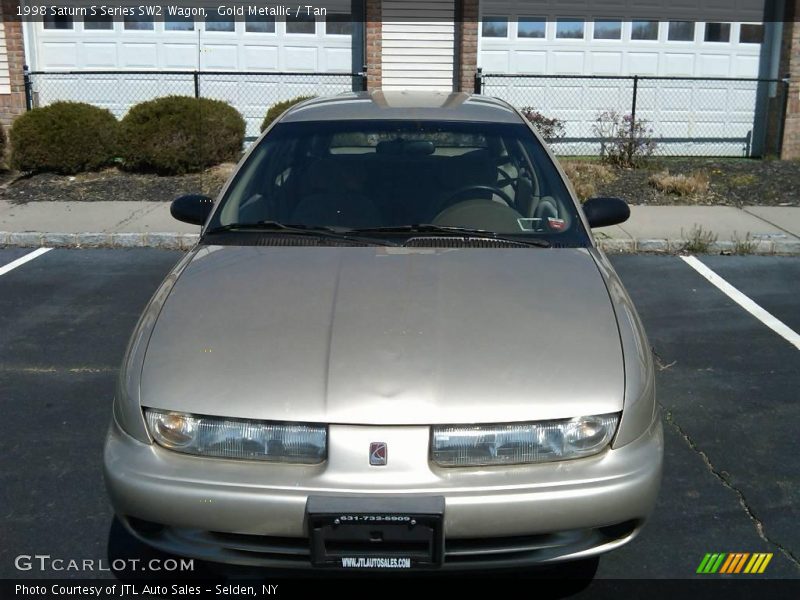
(305, 45)
(682, 112)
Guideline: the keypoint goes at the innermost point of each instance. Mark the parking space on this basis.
(727, 384)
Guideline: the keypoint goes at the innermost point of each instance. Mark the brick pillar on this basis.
(469, 44)
(790, 64)
(374, 16)
(13, 104)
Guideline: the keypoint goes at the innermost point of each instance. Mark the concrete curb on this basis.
(184, 241)
(164, 240)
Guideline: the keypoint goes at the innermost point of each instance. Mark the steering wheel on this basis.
(451, 199)
(504, 179)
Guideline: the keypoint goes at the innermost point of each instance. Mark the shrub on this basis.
(276, 110)
(699, 241)
(179, 134)
(586, 177)
(551, 129)
(680, 185)
(65, 138)
(625, 143)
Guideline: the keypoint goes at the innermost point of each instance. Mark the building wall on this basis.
(468, 39)
(374, 35)
(12, 61)
(790, 65)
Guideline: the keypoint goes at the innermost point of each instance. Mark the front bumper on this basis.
(254, 513)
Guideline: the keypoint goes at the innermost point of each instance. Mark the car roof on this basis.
(403, 105)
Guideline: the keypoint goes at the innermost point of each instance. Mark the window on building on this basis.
(257, 24)
(338, 24)
(751, 33)
(57, 22)
(644, 30)
(718, 32)
(139, 23)
(681, 31)
(218, 23)
(494, 27)
(607, 30)
(569, 29)
(98, 22)
(179, 23)
(531, 27)
(304, 24)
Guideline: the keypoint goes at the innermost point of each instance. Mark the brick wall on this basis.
(469, 44)
(13, 104)
(790, 64)
(373, 44)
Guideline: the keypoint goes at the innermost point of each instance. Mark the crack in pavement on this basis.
(758, 523)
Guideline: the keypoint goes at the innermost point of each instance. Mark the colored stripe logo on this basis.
(731, 563)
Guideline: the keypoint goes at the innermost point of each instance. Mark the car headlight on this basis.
(543, 441)
(238, 438)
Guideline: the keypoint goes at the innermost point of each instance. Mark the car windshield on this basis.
(390, 178)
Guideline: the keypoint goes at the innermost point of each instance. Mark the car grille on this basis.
(294, 552)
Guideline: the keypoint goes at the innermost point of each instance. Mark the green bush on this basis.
(65, 138)
(179, 134)
(276, 110)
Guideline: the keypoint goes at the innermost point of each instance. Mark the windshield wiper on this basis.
(299, 229)
(455, 232)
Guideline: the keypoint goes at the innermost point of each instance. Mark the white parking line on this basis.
(746, 303)
(22, 260)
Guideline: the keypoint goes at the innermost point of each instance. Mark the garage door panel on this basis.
(100, 55)
(530, 62)
(714, 65)
(260, 57)
(139, 55)
(568, 63)
(180, 56)
(60, 54)
(299, 58)
(745, 66)
(336, 59)
(606, 63)
(643, 63)
(224, 57)
(679, 64)
(496, 61)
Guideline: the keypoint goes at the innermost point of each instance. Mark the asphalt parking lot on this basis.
(729, 388)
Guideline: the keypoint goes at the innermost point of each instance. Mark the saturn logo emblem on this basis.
(378, 452)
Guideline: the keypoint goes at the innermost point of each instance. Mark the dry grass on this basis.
(586, 177)
(681, 185)
(698, 240)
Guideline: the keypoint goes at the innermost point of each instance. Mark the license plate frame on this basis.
(387, 533)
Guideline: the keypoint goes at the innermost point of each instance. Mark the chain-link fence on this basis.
(682, 116)
(250, 93)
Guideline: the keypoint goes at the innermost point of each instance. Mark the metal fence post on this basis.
(197, 84)
(26, 77)
(478, 89)
(363, 79)
(633, 118)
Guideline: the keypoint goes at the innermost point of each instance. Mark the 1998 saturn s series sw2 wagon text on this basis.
(396, 345)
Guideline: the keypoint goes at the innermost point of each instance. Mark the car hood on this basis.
(383, 335)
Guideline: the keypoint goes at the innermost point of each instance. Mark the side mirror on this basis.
(602, 212)
(192, 208)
